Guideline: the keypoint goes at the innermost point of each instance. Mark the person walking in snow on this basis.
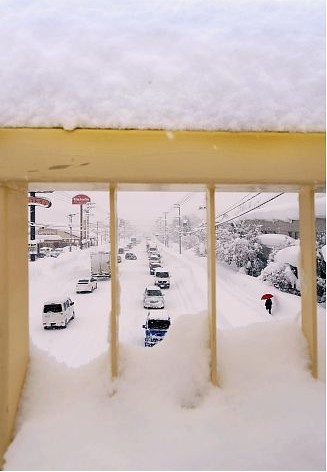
(268, 305)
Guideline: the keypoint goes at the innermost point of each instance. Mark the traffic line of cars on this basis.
(157, 323)
(58, 312)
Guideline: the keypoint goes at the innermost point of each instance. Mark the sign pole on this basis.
(32, 226)
(81, 226)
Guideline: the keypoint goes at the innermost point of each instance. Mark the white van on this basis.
(162, 277)
(58, 313)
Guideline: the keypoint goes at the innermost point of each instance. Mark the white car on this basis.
(153, 297)
(58, 313)
(86, 285)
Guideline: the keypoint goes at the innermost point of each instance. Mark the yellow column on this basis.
(14, 333)
(308, 274)
(114, 283)
(212, 282)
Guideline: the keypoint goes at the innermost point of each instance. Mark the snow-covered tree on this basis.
(238, 244)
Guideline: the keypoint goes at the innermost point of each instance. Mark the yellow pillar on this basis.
(14, 334)
(308, 274)
(114, 341)
(212, 282)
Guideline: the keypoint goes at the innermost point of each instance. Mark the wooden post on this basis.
(212, 282)
(308, 272)
(114, 345)
(14, 335)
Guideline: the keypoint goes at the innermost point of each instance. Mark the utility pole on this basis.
(166, 235)
(97, 233)
(70, 216)
(177, 205)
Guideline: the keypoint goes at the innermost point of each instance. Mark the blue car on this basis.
(156, 326)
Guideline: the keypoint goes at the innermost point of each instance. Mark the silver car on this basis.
(86, 285)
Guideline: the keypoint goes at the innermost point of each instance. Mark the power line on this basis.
(238, 204)
(251, 209)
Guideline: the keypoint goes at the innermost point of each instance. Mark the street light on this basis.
(177, 205)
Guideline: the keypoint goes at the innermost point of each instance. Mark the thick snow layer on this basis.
(162, 413)
(200, 64)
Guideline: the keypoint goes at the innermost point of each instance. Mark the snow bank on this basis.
(241, 65)
(163, 414)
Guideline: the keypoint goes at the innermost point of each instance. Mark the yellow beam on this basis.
(114, 282)
(136, 156)
(14, 335)
(308, 275)
(212, 283)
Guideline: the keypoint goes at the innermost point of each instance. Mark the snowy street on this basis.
(238, 300)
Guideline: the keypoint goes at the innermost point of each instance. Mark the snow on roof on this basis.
(227, 65)
(153, 287)
(289, 255)
(161, 315)
(276, 240)
(286, 208)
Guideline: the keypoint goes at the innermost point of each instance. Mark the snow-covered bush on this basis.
(281, 276)
(321, 277)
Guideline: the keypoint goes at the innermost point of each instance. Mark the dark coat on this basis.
(268, 303)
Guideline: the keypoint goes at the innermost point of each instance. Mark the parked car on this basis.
(86, 285)
(121, 250)
(153, 266)
(130, 255)
(156, 326)
(58, 313)
(153, 297)
(55, 253)
(162, 277)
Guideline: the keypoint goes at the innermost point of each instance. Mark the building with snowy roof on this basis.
(212, 95)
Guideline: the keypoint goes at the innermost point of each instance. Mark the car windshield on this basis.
(154, 293)
(158, 324)
(162, 274)
(54, 308)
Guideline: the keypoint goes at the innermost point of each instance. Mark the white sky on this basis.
(167, 64)
(143, 208)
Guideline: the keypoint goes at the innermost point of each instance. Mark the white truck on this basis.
(100, 265)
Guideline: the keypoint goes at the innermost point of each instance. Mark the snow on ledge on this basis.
(197, 65)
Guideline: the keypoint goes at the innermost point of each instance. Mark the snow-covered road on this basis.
(238, 300)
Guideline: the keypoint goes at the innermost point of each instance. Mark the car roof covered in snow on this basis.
(158, 315)
(56, 300)
(153, 287)
(162, 269)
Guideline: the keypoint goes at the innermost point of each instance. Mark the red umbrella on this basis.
(266, 295)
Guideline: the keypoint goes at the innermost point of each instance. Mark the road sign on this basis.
(39, 201)
(80, 199)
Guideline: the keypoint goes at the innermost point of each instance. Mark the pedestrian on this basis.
(268, 305)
